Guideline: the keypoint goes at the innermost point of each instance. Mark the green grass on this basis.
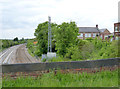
(101, 79)
(30, 52)
(1, 49)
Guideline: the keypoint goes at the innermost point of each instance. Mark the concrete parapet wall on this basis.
(30, 67)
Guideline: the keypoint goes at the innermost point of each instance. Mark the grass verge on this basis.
(100, 79)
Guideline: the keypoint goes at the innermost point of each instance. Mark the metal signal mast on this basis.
(49, 35)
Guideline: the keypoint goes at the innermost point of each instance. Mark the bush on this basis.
(58, 59)
(44, 60)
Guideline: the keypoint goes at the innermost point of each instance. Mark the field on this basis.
(100, 79)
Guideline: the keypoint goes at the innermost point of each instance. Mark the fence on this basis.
(30, 67)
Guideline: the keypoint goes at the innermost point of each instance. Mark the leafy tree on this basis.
(22, 40)
(65, 36)
(75, 52)
(7, 43)
(87, 50)
(41, 34)
(15, 39)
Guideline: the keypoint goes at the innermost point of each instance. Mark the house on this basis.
(104, 33)
(87, 32)
(117, 30)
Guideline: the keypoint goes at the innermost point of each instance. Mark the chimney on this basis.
(96, 25)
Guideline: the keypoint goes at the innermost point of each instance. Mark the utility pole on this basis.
(49, 35)
(50, 54)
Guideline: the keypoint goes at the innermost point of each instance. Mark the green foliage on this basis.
(73, 53)
(22, 41)
(66, 43)
(93, 49)
(76, 52)
(65, 36)
(41, 34)
(89, 39)
(58, 59)
(15, 39)
(100, 79)
(110, 51)
(87, 49)
(5, 43)
(44, 60)
(30, 46)
(0, 45)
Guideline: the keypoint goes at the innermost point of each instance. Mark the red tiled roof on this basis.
(35, 42)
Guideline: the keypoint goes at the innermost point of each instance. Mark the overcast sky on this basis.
(19, 18)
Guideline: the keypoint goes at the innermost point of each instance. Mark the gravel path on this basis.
(16, 54)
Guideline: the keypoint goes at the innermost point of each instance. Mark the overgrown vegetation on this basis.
(41, 34)
(32, 48)
(5, 43)
(100, 79)
(68, 47)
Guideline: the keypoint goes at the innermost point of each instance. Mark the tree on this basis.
(41, 34)
(65, 36)
(22, 41)
(15, 39)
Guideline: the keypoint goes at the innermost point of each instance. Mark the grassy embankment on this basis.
(100, 79)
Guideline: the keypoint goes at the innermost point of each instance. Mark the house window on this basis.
(116, 29)
(94, 34)
(86, 35)
(81, 35)
(89, 35)
(116, 38)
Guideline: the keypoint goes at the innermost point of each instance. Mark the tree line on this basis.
(6, 43)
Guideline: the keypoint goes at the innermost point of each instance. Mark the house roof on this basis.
(112, 34)
(102, 30)
(35, 42)
(117, 23)
(88, 29)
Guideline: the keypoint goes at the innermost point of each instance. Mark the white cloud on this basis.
(20, 33)
(24, 14)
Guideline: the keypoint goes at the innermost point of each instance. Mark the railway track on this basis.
(16, 54)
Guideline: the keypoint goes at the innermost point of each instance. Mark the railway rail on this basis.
(16, 54)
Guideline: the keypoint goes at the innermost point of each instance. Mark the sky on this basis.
(20, 18)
